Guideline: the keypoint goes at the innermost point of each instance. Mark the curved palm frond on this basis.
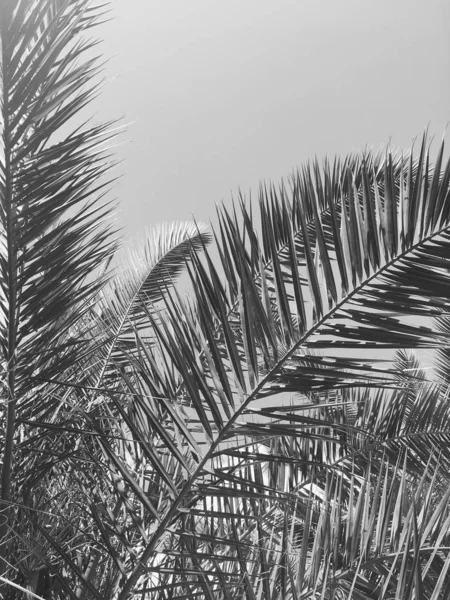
(150, 272)
(348, 263)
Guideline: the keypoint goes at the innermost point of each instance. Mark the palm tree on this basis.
(273, 435)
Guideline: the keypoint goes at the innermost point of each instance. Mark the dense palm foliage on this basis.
(270, 435)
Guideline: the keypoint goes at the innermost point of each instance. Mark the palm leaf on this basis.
(53, 218)
(149, 273)
(363, 271)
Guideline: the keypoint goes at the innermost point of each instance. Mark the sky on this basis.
(219, 95)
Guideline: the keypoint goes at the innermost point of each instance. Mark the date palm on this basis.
(269, 437)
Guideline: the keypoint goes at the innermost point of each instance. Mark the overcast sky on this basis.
(222, 94)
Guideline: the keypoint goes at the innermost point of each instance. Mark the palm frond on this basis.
(348, 263)
(54, 220)
(150, 271)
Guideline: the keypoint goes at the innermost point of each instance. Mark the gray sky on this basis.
(222, 94)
